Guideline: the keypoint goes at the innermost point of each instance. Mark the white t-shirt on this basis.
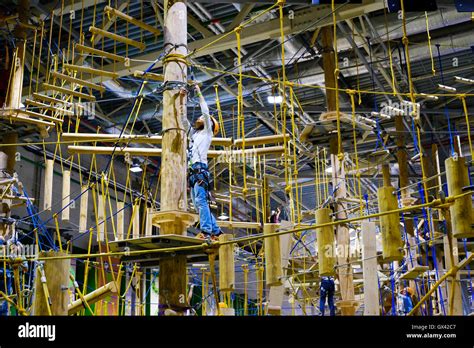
(200, 140)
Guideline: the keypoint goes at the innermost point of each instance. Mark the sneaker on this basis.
(201, 235)
(215, 237)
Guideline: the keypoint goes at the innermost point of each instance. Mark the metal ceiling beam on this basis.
(320, 15)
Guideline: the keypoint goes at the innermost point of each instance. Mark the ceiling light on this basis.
(275, 99)
(464, 80)
(223, 216)
(135, 168)
(328, 170)
(447, 88)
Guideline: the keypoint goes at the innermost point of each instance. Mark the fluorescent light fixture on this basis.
(395, 111)
(275, 99)
(429, 96)
(464, 80)
(446, 88)
(223, 216)
(328, 170)
(135, 169)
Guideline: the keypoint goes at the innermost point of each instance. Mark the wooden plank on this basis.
(96, 31)
(96, 52)
(101, 216)
(48, 185)
(62, 90)
(131, 138)
(125, 17)
(108, 150)
(66, 192)
(149, 222)
(92, 71)
(92, 297)
(120, 220)
(56, 274)
(415, 272)
(76, 81)
(369, 267)
(32, 114)
(136, 221)
(17, 117)
(48, 107)
(52, 100)
(265, 140)
(454, 285)
(239, 224)
(83, 214)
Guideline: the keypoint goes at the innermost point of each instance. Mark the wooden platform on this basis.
(157, 242)
(414, 273)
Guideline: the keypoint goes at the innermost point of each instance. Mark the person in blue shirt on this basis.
(326, 291)
(406, 301)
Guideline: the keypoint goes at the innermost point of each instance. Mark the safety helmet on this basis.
(215, 125)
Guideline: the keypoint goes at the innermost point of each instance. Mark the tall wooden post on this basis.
(369, 266)
(345, 275)
(172, 280)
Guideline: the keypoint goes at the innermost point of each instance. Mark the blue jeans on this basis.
(206, 219)
(327, 290)
(7, 291)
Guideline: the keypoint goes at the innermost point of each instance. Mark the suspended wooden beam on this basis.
(96, 31)
(120, 220)
(79, 82)
(66, 192)
(83, 209)
(92, 297)
(153, 77)
(48, 185)
(92, 71)
(96, 52)
(17, 117)
(68, 91)
(108, 150)
(256, 141)
(48, 107)
(239, 224)
(127, 138)
(47, 98)
(125, 17)
(41, 116)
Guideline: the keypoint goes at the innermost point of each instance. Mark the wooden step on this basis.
(62, 90)
(96, 31)
(119, 14)
(42, 116)
(47, 98)
(17, 117)
(415, 272)
(96, 52)
(79, 82)
(49, 107)
(91, 71)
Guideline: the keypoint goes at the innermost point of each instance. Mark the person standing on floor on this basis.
(326, 290)
(200, 137)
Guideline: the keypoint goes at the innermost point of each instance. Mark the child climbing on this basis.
(200, 137)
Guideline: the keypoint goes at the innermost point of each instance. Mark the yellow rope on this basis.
(433, 69)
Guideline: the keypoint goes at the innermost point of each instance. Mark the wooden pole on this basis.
(83, 209)
(136, 221)
(226, 264)
(66, 192)
(101, 217)
(51, 284)
(10, 151)
(369, 266)
(273, 266)
(48, 185)
(172, 280)
(120, 220)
